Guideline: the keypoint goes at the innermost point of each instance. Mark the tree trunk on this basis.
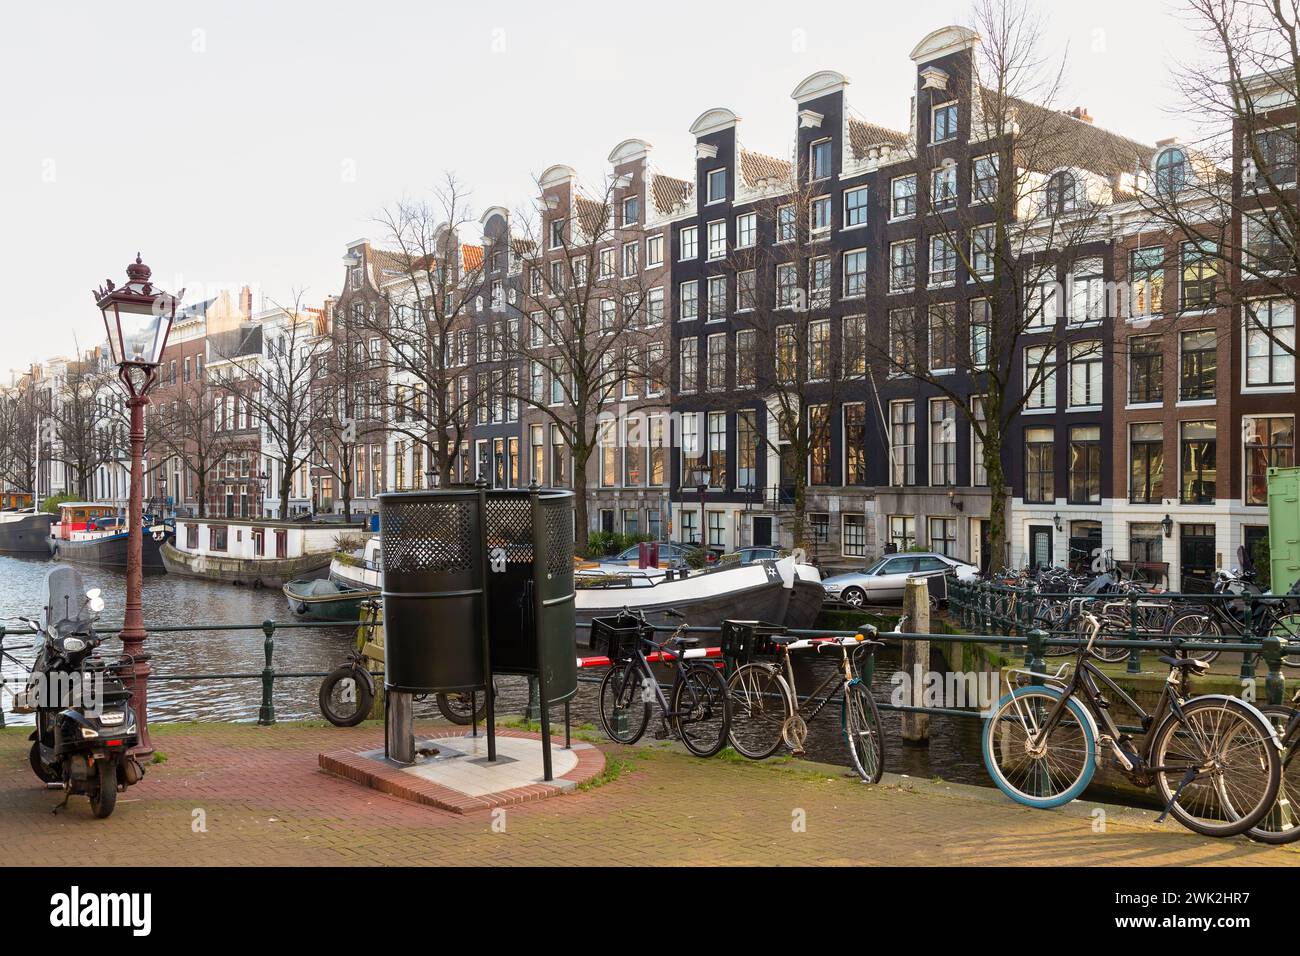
(202, 489)
(580, 527)
(347, 501)
(997, 495)
(800, 508)
(286, 485)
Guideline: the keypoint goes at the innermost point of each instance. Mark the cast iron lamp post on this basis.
(137, 318)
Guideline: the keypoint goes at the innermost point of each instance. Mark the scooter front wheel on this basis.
(44, 771)
(104, 798)
(345, 697)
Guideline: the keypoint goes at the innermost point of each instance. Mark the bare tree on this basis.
(348, 407)
(89, 427)
(424, 319)
(21, 412)
(785, 355)
(188, 428)
(587, 323)
(278, 381)
(1034, 205)
(1231, 193)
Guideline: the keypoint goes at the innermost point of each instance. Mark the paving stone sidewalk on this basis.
(242, 795)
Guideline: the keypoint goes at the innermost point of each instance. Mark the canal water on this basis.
(953, 751)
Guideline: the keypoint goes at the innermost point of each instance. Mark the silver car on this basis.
(883, 582)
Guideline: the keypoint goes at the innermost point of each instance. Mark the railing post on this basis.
(1134, 655)
(1247, 637)
(916, 657)
(1001, 620)
(1274, 683)
(266, 712)
(1034, 652)
(2, 696)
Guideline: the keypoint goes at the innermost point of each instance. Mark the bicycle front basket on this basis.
(616, 637)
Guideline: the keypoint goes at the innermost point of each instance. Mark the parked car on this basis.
(750, 555)
(883, 581)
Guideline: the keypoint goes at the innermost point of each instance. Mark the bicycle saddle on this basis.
(686, 640)
(1199, 666)
(782, 639)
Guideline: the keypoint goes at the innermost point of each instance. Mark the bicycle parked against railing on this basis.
(1282, 822)
(1215, 760)
(698, 714)
(767, 709)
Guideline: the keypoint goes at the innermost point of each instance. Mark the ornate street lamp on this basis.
(137, 319)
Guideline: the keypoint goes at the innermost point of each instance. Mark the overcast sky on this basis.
(246, 143)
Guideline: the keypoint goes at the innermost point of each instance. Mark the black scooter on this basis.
(85, 727)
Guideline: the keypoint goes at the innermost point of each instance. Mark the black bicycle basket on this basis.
(616, 637)
(742, 641)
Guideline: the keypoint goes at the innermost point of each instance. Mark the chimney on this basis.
(245, 304)
(1080, 113)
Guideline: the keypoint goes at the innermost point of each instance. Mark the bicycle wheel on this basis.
(1236, 744)
(1287, 629)
(1282, 822)
(760, 703)
(860, 721)
(1039, 773)
(624, 711)
(1110, 627)
(1196, 626)
(701, 716)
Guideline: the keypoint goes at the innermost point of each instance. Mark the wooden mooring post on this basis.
(916, 657)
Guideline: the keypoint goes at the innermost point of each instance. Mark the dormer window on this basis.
(716, 185)
(819, 159)
(944, 123)
(1171, 172)
(1060, 194)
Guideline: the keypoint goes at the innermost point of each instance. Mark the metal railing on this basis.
(1006, 610)
(268, 675)
(974, 604)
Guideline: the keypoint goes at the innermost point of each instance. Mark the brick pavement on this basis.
(261, 798)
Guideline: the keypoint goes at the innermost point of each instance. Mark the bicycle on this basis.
(766, 708)
(699, 714)
(1282, 822)
(1214, 760)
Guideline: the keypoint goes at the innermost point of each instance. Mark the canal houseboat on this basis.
(25, 532)
(360, 568)
(96, 533)
(259, 552)
(780, 591)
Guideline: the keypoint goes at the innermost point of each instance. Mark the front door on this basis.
(1196, 558)
(762, 531)
(1040, 546)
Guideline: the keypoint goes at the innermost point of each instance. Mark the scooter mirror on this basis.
(96, 604)
(94, 593)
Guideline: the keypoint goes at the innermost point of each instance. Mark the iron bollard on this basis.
(1274, 683)
(266, 712)
(1247, 636)
(1034, 653)
(2, 701)
(1134, 655)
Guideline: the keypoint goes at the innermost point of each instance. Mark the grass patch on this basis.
(159, 757)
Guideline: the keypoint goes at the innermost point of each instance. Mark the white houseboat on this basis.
(253, 551)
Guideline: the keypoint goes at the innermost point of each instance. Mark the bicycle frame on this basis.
(1082, 686)
(647, 672)
(843, 672)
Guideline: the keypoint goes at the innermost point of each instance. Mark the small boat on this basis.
(319, 599)
(96, 533)
(25, 532)
(358, 569)
(777, 591)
